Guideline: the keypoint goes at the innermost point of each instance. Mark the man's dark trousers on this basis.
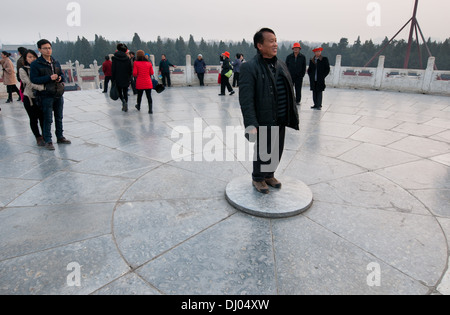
(52, 105)
(269, 140)
(317, 97)
(298, 83)
(166, 76)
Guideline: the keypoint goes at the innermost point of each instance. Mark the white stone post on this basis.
(379, 73)
(78, 70)
(428, 77)
(337, 71)
(97, 75)
(188, 72)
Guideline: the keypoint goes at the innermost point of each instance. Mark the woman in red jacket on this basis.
(143, 70)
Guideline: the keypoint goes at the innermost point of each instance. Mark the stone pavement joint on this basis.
(115, 213)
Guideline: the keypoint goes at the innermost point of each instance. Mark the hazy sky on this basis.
(23, 22)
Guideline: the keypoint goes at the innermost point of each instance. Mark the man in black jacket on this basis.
(267, 103)
(122, 70)
(46, 70)
(296, 63)
(319, 68)
(164, 70)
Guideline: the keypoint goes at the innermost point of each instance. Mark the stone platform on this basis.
(292, 199)
(116, 208)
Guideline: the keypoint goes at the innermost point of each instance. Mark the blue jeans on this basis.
(52, 105)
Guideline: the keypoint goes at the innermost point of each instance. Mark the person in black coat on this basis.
(164, 70)
(266, 97)
(319, 68)
(224, 80)
(121, 73)
(296, 63)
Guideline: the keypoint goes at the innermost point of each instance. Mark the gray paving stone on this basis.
(29, 229)
(47, 272)
(313, 260)
(234, 256)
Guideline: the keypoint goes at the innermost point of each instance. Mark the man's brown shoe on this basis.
(275, 183)
(261, 187)
(49, 146)
(63, 141)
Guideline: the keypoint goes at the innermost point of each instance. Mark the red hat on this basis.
(297, 45)
(318, 49)
(226, 54)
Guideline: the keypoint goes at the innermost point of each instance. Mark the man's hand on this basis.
(54, 77)
(253, 131)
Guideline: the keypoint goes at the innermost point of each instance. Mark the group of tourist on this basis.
(267, 98)
(41, 91)
(136, 70)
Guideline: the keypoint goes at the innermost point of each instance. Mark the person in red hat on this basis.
(319, 68)
(227, 69)
(296, 63)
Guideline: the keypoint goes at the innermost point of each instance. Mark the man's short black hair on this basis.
(43, 42)
(259, 36)
(122, 47)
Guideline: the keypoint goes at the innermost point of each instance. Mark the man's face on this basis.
(46, 50)
(296, 50)
(269, 47)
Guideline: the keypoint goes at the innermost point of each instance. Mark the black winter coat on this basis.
(41, 72)
(121, 69)
(258, 94)
(323, 69)
(226, 66)
(297, 67)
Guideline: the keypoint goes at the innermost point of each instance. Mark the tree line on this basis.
(356, 54)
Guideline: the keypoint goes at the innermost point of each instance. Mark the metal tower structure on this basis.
(415, 28)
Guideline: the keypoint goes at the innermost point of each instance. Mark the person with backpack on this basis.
(225, 74)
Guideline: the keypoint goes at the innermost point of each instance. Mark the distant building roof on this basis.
(13, 48)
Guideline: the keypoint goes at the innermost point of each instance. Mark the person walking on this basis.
(266, 98)
(122, 71)
(46, 70)
(296, 63)
(164, 70)
(34, 111)
(107, 71)
(9, 76)
(225, 74)
(319, 68)
(236, 69)
(143, 71)
(200, 69)
(20, 62)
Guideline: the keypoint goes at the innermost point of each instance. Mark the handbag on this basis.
(159, 88)
(219, 79)
(229, 73)
(114, 94)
